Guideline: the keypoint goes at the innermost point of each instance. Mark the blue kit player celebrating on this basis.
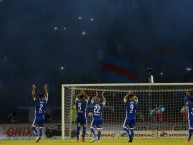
(96, 123)
(189, 102)
(187, 97)
(131, 103)
(40, 106)
(81, 104)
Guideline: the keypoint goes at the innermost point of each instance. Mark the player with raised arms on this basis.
(184, 109)
(81, 104)
(187, 97)
(131, 103)
(97, 120)
(189, 102)
(40, 106)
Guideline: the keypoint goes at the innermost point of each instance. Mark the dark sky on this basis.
(66, 41)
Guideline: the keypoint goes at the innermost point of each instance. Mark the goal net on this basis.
(166, 98)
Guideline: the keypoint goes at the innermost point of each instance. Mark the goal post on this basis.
(166, 98)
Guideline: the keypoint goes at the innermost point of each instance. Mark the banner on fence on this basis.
(24, 131)
(173, 134)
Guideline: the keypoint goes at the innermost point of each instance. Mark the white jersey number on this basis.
(97, 109)
(131, 108)
(41, 106)
(79, 107)
(192, 111)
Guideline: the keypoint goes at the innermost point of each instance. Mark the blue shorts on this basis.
(129, 123)
(81, 122)
(97, 124)
(190, 124)
(38, 122)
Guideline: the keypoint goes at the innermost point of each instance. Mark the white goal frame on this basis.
(102, 85)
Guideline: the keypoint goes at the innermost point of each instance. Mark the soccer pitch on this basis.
(167, 141)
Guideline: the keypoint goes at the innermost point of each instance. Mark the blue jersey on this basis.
(81, 109)
(40, 106)
(97, 121)
(190, 111)
(97, 110)
(190, 115)
(131, 107)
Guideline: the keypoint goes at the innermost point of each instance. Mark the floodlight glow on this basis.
(188, 69)
(80, 18)
(83, 33)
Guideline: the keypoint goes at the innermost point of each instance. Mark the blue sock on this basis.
(132, 132)
(93, 133)
(99, 135)
(126, 131)
(40, 134)
(84, 132)
(190, 134)
(78, 133)
(35, 131)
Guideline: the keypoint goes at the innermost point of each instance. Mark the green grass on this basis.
(167, 141)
